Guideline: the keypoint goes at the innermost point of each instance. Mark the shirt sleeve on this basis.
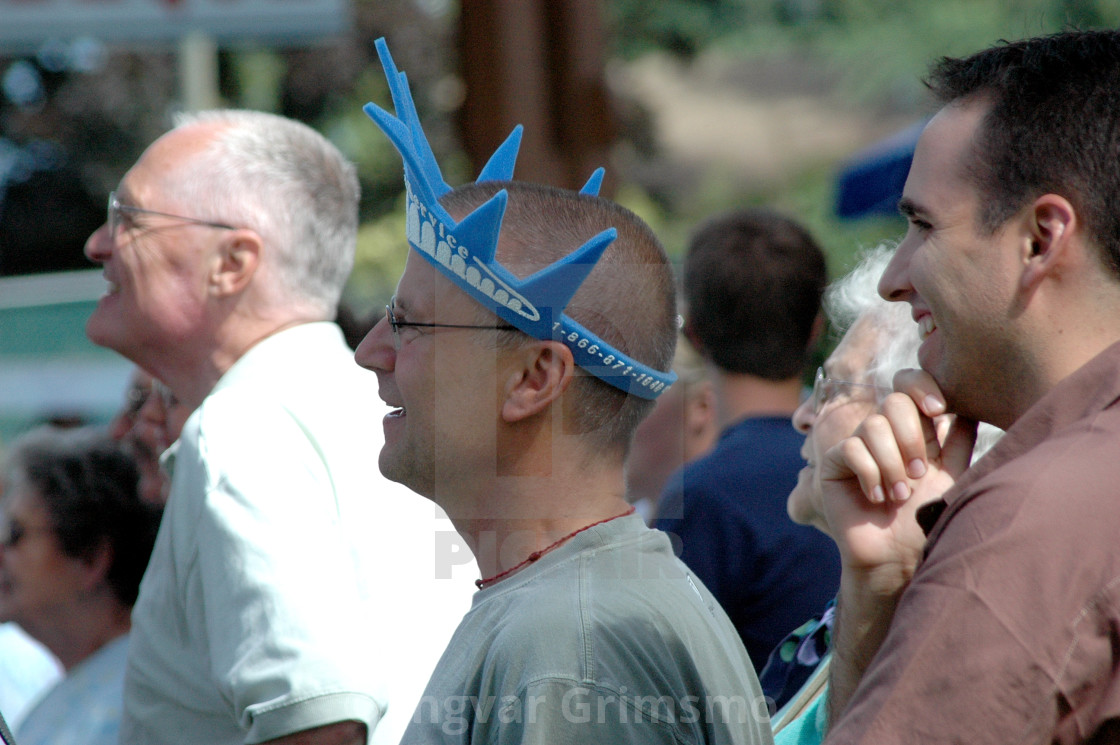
(276, 578)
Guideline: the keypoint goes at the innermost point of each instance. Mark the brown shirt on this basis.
(1010, 629)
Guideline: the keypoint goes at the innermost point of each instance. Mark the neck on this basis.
(739, 396)
(191, 376)
(519, 516)
(75, 634)
(1070, 324)
(535, 538)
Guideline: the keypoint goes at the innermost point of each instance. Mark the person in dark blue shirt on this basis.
(753, 281)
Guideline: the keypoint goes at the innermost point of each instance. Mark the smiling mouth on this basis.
(926, 326)
(396, 413)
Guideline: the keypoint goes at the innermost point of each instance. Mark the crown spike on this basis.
(501, 163)
(402, 140)
(407, 116)
(555, 285)
(594, 183)
(427, 158)
(484, 225)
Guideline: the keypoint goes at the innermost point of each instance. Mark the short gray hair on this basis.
(287, 182)
(855, 297)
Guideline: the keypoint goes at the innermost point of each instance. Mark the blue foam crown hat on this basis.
(464, 251)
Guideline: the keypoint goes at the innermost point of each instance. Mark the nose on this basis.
(376, 352)
(153, 411)
(99, 245)
(894, 285)
(803, 417)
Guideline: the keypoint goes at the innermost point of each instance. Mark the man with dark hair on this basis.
(529, 334)
(753, 281)
(1001, 622)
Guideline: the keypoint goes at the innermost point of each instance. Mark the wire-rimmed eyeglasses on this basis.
(826, 389)
(115, 210)
(396, 325)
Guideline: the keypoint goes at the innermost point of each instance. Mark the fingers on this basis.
(914, 436)
(924, 393)
(879, 463)
(894, 446)
(923, 389)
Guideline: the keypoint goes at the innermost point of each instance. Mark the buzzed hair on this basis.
(628, 299)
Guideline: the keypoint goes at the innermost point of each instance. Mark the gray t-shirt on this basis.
(606, 639)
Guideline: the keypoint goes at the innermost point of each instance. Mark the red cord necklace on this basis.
(481, 583)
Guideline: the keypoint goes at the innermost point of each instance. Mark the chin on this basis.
(798, 511)
(95, 331)
(400, 472)
(102, 333)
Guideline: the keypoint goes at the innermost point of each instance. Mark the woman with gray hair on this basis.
(75, 539)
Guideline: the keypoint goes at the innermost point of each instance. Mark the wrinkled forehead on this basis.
(163, 163)
(852, 357)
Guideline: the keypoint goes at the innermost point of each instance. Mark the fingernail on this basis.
(916, 469)
(877, 495)
(901, 491)
(933, 405)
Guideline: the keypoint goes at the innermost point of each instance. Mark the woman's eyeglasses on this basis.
(826, 389)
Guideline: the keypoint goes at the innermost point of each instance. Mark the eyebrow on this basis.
(907, 207)
(400, 309)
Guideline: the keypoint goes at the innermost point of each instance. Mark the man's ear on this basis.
(96, 564)
(699, 408)
(1048, 239)
(236, 262)
(541, 372)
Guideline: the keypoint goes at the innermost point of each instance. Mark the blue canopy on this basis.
(871, 182)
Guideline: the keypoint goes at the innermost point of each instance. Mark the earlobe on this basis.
(236, 262)
(542, 372)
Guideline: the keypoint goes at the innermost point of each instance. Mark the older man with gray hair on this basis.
(226, 248)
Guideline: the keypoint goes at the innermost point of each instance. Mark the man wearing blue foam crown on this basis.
(527, 338)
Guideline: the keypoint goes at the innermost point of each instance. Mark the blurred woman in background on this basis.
(75, 538)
